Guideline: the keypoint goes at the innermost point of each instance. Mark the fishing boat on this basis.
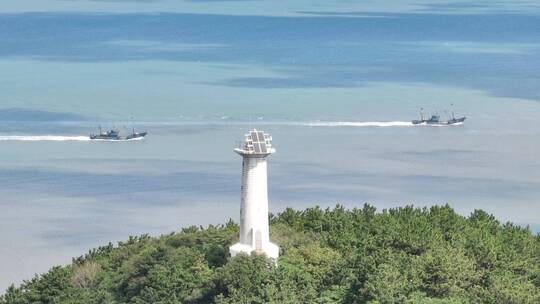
(107, 135)
(135, 135)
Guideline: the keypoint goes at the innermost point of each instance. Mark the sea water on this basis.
(335, 84)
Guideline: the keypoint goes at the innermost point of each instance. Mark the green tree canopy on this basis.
(402, 255)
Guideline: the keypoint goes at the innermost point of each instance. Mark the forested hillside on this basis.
(403, 255)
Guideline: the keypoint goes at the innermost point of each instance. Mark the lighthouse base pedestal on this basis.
(270, 249)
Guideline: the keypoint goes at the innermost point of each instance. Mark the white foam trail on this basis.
(371, 124)
(360, 124)
(58, 138)
(43, 138)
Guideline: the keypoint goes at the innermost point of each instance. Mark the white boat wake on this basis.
(371, 124)
(58, 138)
(42, 138)
(359, 124)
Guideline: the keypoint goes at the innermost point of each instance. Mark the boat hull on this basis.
(456, 120)
(136, 135)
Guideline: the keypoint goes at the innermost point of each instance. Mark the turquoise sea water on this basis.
(335, 83)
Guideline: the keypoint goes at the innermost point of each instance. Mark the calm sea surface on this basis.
(334, 82)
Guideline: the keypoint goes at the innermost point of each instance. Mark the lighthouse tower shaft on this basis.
(254, 203)
(254, 229)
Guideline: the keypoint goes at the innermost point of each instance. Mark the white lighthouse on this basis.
(254, 232)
